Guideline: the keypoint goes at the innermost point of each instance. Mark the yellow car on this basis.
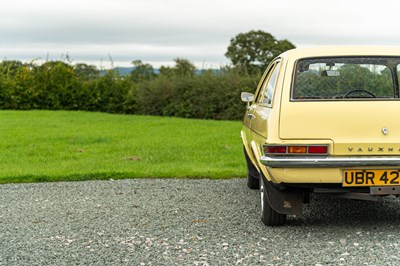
(324, 120)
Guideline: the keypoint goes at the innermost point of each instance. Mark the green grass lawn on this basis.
(61, 146)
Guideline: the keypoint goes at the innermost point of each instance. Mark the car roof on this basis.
(321, 51)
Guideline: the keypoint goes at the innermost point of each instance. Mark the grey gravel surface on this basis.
(186, 222)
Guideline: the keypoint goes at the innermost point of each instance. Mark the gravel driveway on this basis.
(186, 222)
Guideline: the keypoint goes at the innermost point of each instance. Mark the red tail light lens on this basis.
(318, 149)
(275, 149)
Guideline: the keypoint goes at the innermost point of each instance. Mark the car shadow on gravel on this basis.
(325, 210)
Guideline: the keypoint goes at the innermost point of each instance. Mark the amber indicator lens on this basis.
(297, 149)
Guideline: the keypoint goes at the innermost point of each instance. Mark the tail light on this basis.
(318, 149)
(296, 149)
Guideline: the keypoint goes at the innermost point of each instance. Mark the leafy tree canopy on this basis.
(142, 71)
(254, 50)
(86, 71)
(183, 68)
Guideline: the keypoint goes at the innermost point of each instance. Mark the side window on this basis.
(268, 87)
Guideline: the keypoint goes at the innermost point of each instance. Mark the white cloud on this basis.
(161, 30)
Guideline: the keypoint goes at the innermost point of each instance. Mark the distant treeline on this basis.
(172, 91)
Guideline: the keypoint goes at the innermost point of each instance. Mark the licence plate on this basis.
(370, 178)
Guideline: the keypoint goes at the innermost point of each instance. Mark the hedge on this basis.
(58, 85)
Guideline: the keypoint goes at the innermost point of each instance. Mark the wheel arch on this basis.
(254, 153)
(249, 151)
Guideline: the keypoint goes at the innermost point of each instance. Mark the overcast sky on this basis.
(157, 31)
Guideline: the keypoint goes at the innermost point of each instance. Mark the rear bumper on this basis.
(328, 162)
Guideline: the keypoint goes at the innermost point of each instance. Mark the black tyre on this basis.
(252, 173)
(268, 215)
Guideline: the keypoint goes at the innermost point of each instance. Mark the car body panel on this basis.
(358, 131)
(306, 175)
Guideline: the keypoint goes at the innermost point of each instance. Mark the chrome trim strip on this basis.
(327, 162)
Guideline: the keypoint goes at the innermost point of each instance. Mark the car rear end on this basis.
(339, 129)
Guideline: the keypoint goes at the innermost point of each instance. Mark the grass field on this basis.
(60, 146)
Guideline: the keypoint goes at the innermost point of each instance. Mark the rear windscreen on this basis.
(348, 78)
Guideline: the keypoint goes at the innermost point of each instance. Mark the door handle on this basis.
(251, 116)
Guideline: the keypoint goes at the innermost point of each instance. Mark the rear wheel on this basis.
(268, 215)
(252, 173)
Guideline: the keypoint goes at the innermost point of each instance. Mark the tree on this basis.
(142, 71)
(254, 50)
(11, 67)
(183, 68)
(54, 86)
(86, 71)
